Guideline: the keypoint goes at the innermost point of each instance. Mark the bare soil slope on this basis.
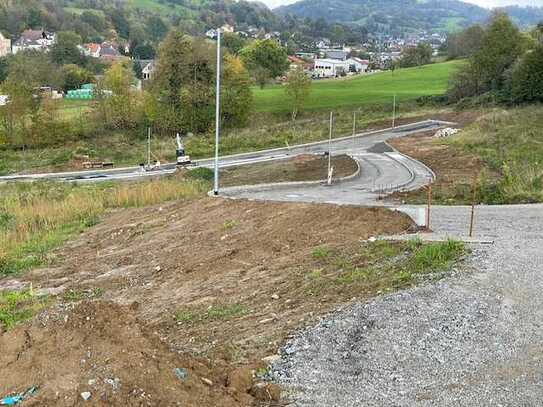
(209, 285)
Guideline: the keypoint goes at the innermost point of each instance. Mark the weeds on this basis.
(78, 295)
(320, 253)
(382, 265)
(510, 143)
(37, 217)
(230, 224)
(19, 306)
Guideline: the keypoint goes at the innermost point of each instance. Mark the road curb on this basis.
(279, 185)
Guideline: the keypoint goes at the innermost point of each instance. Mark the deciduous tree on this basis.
(298, 88)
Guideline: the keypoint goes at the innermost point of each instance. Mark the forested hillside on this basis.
(401, 16)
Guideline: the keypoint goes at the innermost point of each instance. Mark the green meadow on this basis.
(408, 84)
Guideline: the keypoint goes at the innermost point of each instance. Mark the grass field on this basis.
(407, 84)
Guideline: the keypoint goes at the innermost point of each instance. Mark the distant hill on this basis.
(400, 16)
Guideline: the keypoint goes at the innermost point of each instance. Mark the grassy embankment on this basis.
(371, 96)
(38, 217)
(511, 143)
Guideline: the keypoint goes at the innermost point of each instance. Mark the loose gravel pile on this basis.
(472, 339)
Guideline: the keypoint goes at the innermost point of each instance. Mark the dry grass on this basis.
(37, 217)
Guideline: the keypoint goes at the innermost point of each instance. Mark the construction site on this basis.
(285, 289)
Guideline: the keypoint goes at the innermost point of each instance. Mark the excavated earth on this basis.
(151, 290)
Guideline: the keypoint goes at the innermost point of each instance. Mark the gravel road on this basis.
(472, 339)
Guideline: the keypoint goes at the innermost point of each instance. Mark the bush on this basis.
(202, 173)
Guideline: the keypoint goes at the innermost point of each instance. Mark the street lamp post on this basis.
(217, 114)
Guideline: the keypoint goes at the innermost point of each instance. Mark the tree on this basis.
(500, 48)
(527, 77)
(121, 108)
(157, 28)
(265, 59)
(298, 88)
(416, 56)
(75, 76)
(236, 96)
(94, 19)
(487, 69)
(65, 50)
(233, 42)
(143, 51)
(465, 43)
(183, 83)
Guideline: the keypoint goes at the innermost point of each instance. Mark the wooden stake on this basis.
(474, 197)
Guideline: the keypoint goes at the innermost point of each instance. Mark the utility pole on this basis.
(148, 147)
(394, 112)
(217, 113)
(330, 149)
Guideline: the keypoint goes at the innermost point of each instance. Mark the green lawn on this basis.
(407, 84)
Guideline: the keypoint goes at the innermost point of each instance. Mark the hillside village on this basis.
(322, 59)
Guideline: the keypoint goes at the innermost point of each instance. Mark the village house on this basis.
(109, 52)
(5, 46)
(34, 39)
(91, 50)
(148, 70)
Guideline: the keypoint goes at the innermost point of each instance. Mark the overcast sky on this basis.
(483, 3)
(497, 3)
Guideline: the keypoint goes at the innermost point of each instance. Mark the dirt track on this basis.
(154, 263)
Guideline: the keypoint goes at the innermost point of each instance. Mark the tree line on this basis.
(179, 98)
(503, 64)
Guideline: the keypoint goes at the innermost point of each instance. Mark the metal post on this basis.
(217, 113)
(428, 209)
(148, 147)
(330, 147)
(354, 123)
(394, 113)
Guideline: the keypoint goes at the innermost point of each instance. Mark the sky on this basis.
(482, 3)
(498, 3)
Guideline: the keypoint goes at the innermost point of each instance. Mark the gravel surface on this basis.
(472, 339)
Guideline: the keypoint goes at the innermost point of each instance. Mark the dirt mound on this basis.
(216, 280)
(102, 348)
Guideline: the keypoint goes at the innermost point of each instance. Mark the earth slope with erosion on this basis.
(154, 289)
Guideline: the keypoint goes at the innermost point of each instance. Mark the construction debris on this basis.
(447, 132)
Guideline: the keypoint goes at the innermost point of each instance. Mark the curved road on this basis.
(468, 340)
(389, 170)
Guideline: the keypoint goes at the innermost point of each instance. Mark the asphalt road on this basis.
(388, 169)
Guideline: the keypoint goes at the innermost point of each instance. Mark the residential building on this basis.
(227, 28)
(91, 50)
(212, 33)
(148, 70)
(34, 39)
(5, 46)
(109, 52)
